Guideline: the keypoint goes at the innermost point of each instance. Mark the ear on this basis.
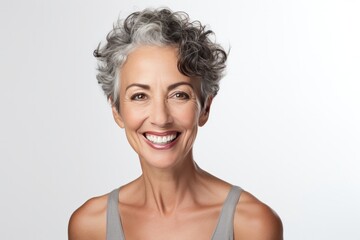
(204, 115)
(117, 117)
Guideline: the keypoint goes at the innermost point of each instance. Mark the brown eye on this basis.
(138, 97)
(181, 95)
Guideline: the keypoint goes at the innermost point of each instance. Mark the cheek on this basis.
(188, 115)
(132, 117)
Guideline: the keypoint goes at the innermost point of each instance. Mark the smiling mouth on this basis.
(163, 139)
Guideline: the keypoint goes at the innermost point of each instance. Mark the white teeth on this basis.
(160, 139)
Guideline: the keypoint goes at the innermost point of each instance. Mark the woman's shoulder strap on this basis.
(225, 227)
(113, 222)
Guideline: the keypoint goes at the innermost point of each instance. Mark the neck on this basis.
(167, 190)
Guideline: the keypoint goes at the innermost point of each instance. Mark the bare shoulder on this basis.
(255, 220)
(89, 220)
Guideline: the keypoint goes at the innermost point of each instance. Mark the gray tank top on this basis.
(224, 229)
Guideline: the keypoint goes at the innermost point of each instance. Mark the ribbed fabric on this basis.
(224, 229)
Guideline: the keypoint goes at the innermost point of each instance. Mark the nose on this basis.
(160, 113)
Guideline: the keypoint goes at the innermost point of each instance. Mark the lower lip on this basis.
(161, 147)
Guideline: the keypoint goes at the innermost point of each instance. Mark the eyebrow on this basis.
(147, 87)
(175, 85)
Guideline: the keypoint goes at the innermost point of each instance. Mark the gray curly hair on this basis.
(199, 56)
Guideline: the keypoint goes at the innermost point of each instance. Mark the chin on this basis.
(162, 161)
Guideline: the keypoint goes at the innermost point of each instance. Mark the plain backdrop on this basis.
(285, 125)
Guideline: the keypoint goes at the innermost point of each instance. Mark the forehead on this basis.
(152, 63)
(151, 58)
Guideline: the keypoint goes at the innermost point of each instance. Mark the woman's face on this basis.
(159, 107)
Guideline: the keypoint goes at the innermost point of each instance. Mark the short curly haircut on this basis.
(199, 56)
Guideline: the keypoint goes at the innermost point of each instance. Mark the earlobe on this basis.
(118, 119)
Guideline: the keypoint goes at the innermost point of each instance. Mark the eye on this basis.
(138, 97)
(181, 95)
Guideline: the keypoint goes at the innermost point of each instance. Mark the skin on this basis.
(173, 198)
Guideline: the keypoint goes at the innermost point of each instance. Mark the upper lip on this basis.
(161, 133)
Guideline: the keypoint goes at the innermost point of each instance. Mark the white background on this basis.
(285, 125)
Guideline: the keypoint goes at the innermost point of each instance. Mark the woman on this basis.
(161, 72)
